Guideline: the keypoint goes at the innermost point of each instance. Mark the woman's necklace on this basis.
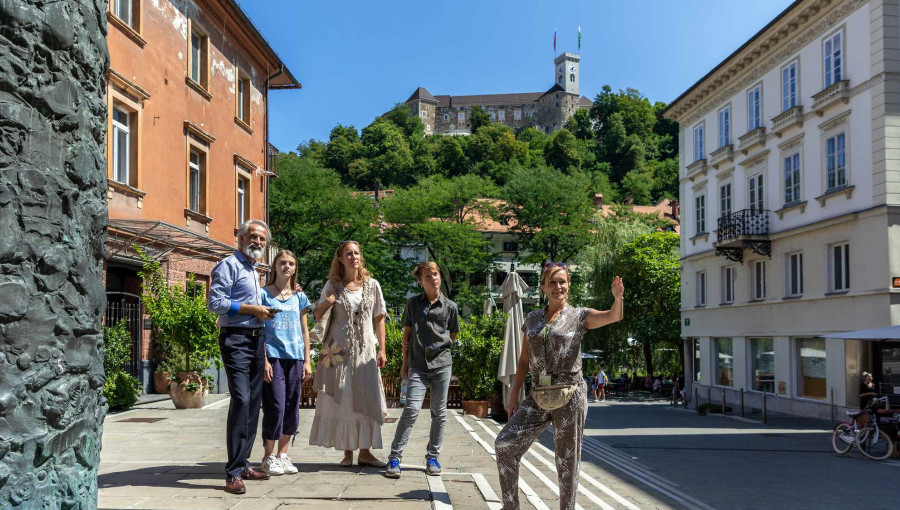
(285, 292)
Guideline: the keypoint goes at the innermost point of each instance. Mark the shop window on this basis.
(762, 361)
(724, 362)
(811, 381)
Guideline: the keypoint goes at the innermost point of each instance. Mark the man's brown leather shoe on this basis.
(252, 474)
(234, 485)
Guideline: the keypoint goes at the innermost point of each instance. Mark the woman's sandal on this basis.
(374, 463)
(346, 462)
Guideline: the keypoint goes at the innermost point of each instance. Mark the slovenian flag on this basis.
(554, 40)
(579, 38)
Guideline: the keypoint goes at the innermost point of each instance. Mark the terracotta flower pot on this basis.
(160, 381)
(184, 399)
(477, 408)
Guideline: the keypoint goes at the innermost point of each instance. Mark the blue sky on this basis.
(356, 59)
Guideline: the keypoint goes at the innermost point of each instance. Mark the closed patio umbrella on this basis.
(513, 290)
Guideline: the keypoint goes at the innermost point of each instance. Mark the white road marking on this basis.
(440, 500)
(217, 404)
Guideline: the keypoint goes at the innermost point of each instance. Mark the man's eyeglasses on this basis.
(556, 264)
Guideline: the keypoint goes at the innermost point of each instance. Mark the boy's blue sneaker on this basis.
(433, 467)
(393, 469)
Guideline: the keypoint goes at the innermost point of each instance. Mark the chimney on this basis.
(629, 200)
(598, 200)
(675, 211)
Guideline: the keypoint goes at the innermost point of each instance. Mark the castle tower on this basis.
(567, 67)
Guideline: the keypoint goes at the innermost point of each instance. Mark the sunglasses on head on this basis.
(556, 264)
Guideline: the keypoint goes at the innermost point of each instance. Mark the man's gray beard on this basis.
(253, 254)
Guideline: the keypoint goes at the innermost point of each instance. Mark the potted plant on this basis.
(185, 330)
(476, 355)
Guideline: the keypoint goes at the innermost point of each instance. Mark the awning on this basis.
(888, 333)
(160, 240)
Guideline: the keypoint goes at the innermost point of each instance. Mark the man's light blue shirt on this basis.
(234, 282)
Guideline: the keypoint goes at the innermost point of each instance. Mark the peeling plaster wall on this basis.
(53, 221)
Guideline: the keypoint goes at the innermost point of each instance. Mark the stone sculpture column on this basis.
(53, 57)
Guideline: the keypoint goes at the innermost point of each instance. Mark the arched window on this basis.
(560, 78)
(572, 77)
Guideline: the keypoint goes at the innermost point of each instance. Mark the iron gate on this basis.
(124, 306)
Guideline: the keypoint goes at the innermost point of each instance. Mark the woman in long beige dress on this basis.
(350, 404)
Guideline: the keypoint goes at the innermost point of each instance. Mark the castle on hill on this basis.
(547, 111)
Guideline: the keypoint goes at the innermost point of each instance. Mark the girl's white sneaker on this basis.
(272, 466)
(287, 465)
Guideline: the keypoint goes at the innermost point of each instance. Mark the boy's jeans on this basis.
(438, 380)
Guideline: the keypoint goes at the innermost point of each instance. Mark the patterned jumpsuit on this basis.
(561, 358)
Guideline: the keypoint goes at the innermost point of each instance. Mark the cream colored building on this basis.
(790, 187)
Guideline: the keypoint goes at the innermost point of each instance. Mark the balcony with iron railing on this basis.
(743, 230)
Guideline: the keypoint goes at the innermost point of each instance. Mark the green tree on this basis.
(552, 213)
(311, 212)
(451, 160)
(344, 146)
(581, 125)
(389, 158)
(437, 214)
(638, 184)
(597, 261)
(649, 266)
(402, 116)
(479, 118)
(564, 151)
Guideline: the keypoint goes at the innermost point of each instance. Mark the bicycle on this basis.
(844, 435)
(876, 439)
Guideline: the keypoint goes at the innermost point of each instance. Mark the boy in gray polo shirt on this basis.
(430, 325)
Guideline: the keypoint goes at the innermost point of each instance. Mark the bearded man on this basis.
(234, 296)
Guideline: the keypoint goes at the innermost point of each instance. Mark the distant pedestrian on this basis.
(287, 363)
(234, 294)
(551, 352)
(350, 404)
(602, 381)
(430, 324)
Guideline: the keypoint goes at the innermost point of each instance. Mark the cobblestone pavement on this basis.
(157, 457)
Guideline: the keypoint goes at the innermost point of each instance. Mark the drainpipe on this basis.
(266, 138)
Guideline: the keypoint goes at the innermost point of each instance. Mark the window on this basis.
(792, 178)
(195, 180)
(834, 60)
(728, 275)
(835, 161)
(200, 284)
(123, 10)
(243, 200)
(446, 117)
(789, 86)
(531, 115)
(724, 362)
(572, 77)
(754, 109)
(762, 364)
(697, 360)
(698, 143)
(501, 115)
(725, 126)
(839, 267)
(121, 148)
(510, 246)
(811, 372)
(725, 200)
(700, 214)
(758, 279)
(243, 98)
(197, 58)
(517, 114)
(701, 288)
(755, 185)
(794, 274)
(461, 117)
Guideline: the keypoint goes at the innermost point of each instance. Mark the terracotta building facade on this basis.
(187, 144)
